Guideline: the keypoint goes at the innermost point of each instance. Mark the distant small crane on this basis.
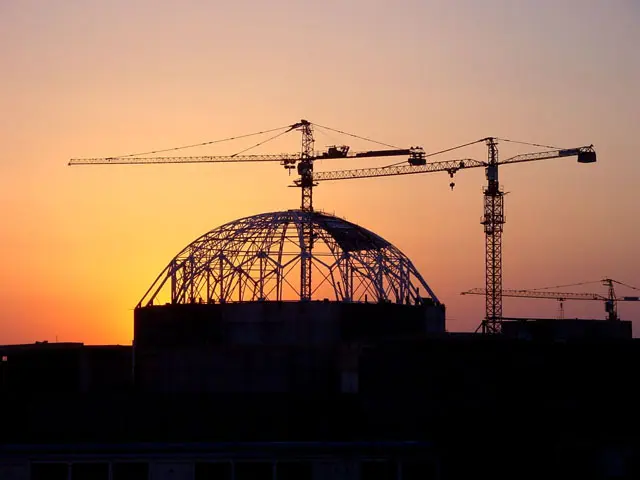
(610, 299)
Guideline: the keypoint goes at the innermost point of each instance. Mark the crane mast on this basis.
(493, 221)
(305, 170)
(611, 304)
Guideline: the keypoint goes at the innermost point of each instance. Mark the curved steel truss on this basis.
(259, 258)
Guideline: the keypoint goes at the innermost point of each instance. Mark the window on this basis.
(212, 471)
(130, 471)
(253, 471)
(294, 471)
(419, 470)
(349, 382)
(378, 470)
(90, 471)
(49, 471)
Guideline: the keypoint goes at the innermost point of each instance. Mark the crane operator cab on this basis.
(417, 156)
(587, 155)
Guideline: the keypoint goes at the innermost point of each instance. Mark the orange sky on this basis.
(81, 245)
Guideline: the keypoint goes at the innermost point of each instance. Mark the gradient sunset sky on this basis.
(80, 245)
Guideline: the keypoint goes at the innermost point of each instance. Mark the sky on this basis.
(80, 245)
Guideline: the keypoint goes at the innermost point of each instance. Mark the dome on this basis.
(259, 258)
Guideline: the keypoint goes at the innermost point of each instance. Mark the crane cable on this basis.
(288, 129)
(528, 143)
(328, 135)
(567, 285)
(355, 136)
(262, 142)
(439, 152)
(205, 143)
(624, 284)
(585, 283)
(478, 141)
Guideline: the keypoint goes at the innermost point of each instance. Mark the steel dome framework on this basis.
(259, 258)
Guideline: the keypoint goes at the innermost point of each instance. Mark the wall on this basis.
(14, 471)
(265, 346)
(568, 329)
(64, 367)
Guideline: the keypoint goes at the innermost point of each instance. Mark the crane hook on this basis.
(452, 172)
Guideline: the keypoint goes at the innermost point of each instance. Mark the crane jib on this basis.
(569, 152)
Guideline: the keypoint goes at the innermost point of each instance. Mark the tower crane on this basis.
(610, 299)
(493, 218)
(302, 160)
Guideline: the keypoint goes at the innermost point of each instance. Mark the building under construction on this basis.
(255, 357)
(298, 345)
